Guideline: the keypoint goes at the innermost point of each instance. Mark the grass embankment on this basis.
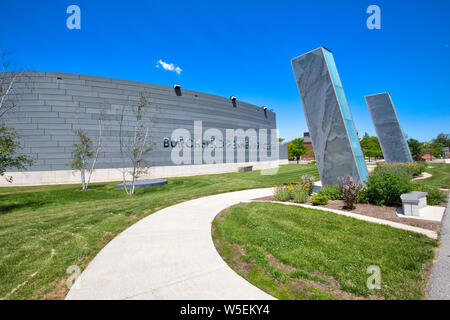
(46, 229)
(298, 253)
(441, 175)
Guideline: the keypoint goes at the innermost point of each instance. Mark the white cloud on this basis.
(168, 66)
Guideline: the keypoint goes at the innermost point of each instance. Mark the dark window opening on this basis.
(177, 89)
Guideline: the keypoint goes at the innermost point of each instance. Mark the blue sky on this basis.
(243, 48)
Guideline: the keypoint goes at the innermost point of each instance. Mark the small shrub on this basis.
(419, 168)
(412, 169)
(332, 191)
(318, 200)
(386, 187)
(362, 195)
(282, 193)
(296, 188)
(307, 183)
(286, 192)
(300, 196)
(424, 164)
(349, 190)
(434, 196)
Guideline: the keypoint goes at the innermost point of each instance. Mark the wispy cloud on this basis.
(168, 66)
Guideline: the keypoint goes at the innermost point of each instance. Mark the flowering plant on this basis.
(349, 190)
(307, 183)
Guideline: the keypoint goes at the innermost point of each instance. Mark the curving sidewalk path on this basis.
(169, 255)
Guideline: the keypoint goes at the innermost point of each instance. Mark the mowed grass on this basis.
(46, 229)
(441, 175)
(298, 253)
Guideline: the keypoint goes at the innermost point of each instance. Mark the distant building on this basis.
(309, 155)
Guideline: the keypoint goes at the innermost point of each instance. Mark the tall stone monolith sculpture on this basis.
(333, 133)
(389, 132)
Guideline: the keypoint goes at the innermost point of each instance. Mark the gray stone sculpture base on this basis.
(144, 183)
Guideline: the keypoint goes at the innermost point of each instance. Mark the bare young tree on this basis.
(9, 74)
(98, 147)
(82, 153)
(135, 145)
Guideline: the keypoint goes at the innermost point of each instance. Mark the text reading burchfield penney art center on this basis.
(209, 146)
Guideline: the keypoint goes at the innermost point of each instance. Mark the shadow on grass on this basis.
(7, 208)
(36, 199)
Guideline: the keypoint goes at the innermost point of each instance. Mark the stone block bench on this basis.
(413, 201)
(144, 183)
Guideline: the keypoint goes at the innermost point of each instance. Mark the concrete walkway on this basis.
(439, 285)
(424, 175)
(169, 255)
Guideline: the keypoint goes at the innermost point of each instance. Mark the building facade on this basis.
(307, 142)
(49, 106)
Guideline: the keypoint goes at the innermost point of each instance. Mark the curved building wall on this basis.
(50, 106)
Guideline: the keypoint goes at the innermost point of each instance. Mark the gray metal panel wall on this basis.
(389, 132)
(332, 133)
(50, 105)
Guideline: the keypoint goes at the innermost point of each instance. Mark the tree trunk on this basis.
(83, 179)
(133, 181)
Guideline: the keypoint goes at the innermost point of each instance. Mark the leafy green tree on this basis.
(415, 147)
(443, 138)
(371, 146)
(280, 140)
(82, 153)
(436, 149)
(296, 148)
(9, 138)
(9, 146)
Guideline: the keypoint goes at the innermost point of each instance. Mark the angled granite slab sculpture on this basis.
(389, 132)
(333, 133)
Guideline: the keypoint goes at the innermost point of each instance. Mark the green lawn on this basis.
(46, 229)
(297, 253)
(441, 175)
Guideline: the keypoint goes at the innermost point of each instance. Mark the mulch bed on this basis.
(380, 212)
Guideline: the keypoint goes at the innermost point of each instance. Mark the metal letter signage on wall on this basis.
(333, 133)
(392, 140)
